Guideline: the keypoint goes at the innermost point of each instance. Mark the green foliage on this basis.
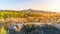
(11, 14)
(2, 30)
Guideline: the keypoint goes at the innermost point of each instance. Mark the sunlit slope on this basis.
(31, 16)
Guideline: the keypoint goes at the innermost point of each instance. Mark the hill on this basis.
(25, 16)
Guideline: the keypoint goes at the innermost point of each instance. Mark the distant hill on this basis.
(30, 10)
(39, 11)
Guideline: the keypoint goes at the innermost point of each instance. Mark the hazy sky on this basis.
(47, 5)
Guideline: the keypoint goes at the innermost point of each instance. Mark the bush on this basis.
(2, 30)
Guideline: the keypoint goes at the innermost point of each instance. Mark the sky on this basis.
(46, 5)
